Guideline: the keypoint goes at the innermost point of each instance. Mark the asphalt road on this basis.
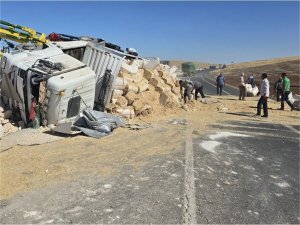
(209, 85)
(247, 173)
(238, 173)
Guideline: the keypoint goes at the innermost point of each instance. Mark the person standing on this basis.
(220, 83)
(251, 80)
(264, 95)
(278, 89)
(242, 87)
(286, 88)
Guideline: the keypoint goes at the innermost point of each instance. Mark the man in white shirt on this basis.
(264, 93)
(242, 87)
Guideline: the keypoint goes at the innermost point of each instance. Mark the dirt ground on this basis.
(24, 168)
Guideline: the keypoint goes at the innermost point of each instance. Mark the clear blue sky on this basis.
(217, 32)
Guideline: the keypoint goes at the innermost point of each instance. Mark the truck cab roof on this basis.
(29, 58)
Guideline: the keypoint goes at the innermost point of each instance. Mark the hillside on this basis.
(273, 67)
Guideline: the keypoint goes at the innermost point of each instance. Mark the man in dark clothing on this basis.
(187, 87)
(198, 87)
(220, 83)
(278, 88)
(251, 80)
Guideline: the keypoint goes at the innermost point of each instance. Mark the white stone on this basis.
(9, 128)
(5, 121)
(1, 131)
(107, 186)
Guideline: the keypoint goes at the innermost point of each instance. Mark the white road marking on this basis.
(189, 201)
(214, 85)
(292, 128)
(207, 77)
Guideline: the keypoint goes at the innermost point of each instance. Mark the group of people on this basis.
(220, 81)
(242, 85)
(187, 88)
(281, 87)
(284, 88)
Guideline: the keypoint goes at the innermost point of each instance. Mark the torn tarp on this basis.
(97, 124)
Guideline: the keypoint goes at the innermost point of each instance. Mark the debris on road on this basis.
(209, 101)
(136, 126)
(6, 126)
(222, 108)
(66, 74)
(28, 137)
(97, 124)
(142, 86)
(177, 121)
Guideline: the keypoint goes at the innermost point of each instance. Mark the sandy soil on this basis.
(24, 168)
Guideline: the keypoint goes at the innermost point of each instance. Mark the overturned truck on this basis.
(105, 62)
(45, 85)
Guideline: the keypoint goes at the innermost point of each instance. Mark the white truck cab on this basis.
(59, 84)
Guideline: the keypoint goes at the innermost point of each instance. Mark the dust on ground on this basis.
(24, 168)
(28, 136)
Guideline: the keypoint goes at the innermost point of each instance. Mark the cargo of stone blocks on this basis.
(143, 86)
(6, 125)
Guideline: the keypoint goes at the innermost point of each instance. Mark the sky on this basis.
(214, 32)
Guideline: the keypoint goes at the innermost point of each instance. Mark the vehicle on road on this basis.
(188, 68)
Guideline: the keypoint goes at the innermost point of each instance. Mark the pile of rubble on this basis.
(142, 86)
(6, 126)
